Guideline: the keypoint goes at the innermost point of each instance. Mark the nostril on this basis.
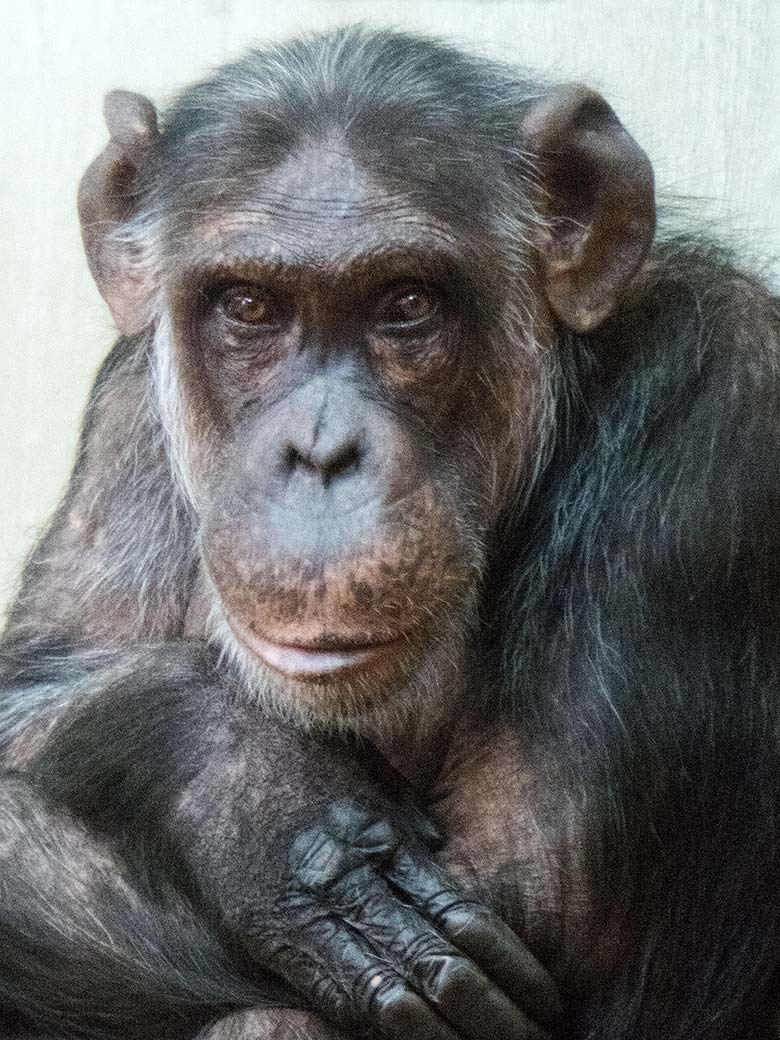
(341, 461)
(293, 458)
(328, 463)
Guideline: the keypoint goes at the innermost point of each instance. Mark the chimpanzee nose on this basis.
(325, 451)
(324, 437)
(329, 458)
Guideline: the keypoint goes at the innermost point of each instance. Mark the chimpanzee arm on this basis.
(290, 844)
(91, 943)
(85, 949)
(292, 847)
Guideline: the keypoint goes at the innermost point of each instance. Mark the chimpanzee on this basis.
(403, 659)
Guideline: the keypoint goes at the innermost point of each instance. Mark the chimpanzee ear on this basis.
(597, 202)
(107, 202)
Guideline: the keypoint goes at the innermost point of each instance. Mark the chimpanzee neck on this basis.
(418, 748)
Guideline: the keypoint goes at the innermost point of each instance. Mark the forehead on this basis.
(319, 207)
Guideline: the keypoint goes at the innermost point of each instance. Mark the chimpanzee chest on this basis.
(516, 840)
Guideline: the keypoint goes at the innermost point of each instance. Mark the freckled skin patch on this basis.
(391, 566)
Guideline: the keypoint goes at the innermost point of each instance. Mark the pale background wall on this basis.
(697, 81)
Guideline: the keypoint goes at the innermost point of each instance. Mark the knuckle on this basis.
(389, 1002)
(363, 829)
(457, 915)
(409, 865)
(424, 948)
(359, 894)
(328, 994)
(348, 816)
(450, 977)
(378, 839)
(316, 859)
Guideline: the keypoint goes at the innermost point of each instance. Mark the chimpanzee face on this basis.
(355, 287)
(333, 337)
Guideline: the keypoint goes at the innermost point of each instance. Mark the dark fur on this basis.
(642, 634)
(631, 608)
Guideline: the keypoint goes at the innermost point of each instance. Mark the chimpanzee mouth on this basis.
(313, 659)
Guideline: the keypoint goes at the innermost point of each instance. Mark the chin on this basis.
(380, 689)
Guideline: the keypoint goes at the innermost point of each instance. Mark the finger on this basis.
(355, 909)
(448, 980)
(330, 959)
(358, 988)
(399, 1013)
(478, 932)
(427, 829)
(363, 830)
(470, 1001)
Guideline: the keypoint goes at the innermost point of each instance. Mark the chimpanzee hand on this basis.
(313, 855)
(367, 927)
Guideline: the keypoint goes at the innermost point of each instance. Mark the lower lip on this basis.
(300, 662)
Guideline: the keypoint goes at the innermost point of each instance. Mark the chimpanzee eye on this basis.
(249, 305)
(407, 309)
